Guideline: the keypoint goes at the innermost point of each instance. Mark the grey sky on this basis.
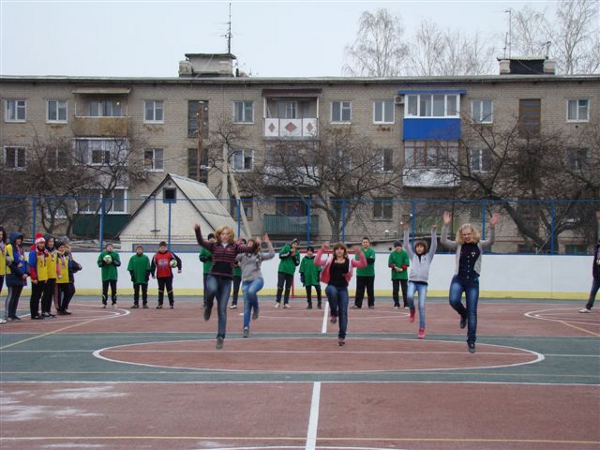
(271, 39)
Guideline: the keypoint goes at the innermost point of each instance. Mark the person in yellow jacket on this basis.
(38, 271)
(3, 242)
(49, 295)
(65, 289)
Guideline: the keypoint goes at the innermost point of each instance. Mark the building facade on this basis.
(418, 125)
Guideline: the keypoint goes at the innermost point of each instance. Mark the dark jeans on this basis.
(338, 302)
(284, 279)
(49, 294)
(204, 277)
(220, 288)
(113, 291)
(471, 290)
(593, 292)
(168, 283)
(136, 293)
(237, 281)
(396, 284)
(64, 294)
(309, 294)
(12, 300)
(363, 283)
(37, 290)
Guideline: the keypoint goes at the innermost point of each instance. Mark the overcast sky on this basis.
(271, 38)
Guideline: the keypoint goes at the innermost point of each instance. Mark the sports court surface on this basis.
(152, 379)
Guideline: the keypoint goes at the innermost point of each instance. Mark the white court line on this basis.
(325, 318)
(313, 421)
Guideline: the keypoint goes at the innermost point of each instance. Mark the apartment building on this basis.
(416, 124)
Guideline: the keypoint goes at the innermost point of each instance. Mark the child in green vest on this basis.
(309, 275)
(399, 262)
(139, 269)
(108, 261)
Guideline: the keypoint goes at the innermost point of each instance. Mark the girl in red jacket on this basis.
(337, 274)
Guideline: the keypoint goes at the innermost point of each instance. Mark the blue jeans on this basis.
(471, 290)
(250, 290)
(219, 287)
(420, 289)
(593, 292)
(338, 302)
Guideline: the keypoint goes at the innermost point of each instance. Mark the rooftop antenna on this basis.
(229, 31)
(509, 43)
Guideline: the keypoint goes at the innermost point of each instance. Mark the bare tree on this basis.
(333, 174)
(448, 52)
(576, 36)
(538, 171)
(378, 50)
(572, 37)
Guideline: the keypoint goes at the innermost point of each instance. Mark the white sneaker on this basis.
(233, 306)
(585, 310)
(277, 304)
(287, 306)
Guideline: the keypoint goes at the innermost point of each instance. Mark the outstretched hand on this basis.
(494, 220)
(447, 217)
(196, 227)
(404, 225)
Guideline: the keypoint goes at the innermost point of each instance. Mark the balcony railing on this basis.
(290, 128)
(429, 178)
(101, 126)
(278, 224)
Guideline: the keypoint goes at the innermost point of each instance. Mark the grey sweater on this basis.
(419, 267)
(453, 245)
(250, 264)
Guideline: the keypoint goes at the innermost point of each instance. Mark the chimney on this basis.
(527, 65)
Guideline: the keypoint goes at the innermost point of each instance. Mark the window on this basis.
(433, 154)
(577, 110)
(193, 106)
(386, 159)
(154, 111)
(341, 112)
(100, 151)
(169, 195)
(117, 202)
(530, 112)
(290, 206)
(432, 105)
(480, 160)
(89, 201)
(383, 111)
(15, 110)
(154, 159)
(383, 208)
(192, 165)
(105, 108)
(481, 111)
(578, 159)
(56, 158)
(243, 112)
(14, 158)
(242, 160)
(246, 203)
(56, 111)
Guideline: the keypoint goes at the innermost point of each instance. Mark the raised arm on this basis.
(322, 250)
(492, 234)
(444, 238)
(433, 246)
(362, 261)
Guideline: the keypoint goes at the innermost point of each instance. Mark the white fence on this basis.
(503, 276)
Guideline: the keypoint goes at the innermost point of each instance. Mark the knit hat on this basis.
(397, 243)
(39, 238)
(65, 240)
(310, 249)
(294, 241)
(210, 236)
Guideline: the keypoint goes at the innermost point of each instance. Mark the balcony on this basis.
(278, 224)
(101, 126)
(296, 175)
(429, 178)
(290, 128)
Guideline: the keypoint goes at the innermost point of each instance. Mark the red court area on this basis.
(152, 379)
